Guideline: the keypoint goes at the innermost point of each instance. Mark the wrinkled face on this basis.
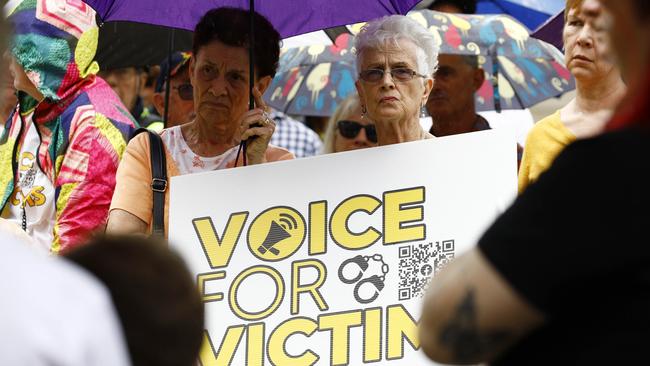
(586, 48)
(220, 75)
(389, 100)
(127, 84)
(180, 110)
(618, 19)
(360, 141)
(454, 85)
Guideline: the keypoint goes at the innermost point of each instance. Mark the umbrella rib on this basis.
(334, 32)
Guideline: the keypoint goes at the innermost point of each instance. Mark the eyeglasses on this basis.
(185, 91)
(400, 74)
(350, 130)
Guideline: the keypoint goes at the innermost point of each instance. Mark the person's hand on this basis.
(257, 128)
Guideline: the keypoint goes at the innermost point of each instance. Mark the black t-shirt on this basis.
(575, 245)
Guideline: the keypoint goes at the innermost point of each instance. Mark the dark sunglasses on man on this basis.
(350, 130)
(185, 91)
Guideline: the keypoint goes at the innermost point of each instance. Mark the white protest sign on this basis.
(324, 261)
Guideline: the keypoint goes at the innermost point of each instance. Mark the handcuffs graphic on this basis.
(375, 280)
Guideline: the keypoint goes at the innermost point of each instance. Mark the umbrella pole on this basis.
(251, 55)
(495, 80)
(251, 74)
(168, 77)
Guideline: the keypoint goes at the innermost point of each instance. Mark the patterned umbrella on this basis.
(523, 71)
(312, 80)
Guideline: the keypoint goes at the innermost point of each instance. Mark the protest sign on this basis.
(324, 261)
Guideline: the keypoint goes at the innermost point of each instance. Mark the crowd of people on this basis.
(73, 169)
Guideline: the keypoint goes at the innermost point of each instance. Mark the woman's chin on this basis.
(388, 114)
(215, 116)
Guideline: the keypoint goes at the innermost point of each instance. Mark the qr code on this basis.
(418, 263)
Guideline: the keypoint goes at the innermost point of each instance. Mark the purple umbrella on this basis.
(290, 17)
(551, 31)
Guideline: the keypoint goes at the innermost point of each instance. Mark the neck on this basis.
(208, 139)
(395, 132)
(599, 94)
(453, 124)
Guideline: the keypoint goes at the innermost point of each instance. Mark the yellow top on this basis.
(544, 142)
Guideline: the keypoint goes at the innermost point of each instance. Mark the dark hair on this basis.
(154, 294)
(642, 9)
(466, 6)
(231, 26)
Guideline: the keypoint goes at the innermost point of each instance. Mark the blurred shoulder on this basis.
(275, 153)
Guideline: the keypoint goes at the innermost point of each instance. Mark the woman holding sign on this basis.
(220, 78)
(396, 58)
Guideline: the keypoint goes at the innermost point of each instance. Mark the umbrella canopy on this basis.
(532, 13)
(551, 31)
(313, 80)
(523, 71)
(325, 37)
(289, 17)
(125, 44)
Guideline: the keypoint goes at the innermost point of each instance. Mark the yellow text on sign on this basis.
(400, 328)
(278, 232)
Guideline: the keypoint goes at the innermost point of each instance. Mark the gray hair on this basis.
(393, 29)
(345, 109)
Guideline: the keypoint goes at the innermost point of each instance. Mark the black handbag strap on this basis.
(158, 180)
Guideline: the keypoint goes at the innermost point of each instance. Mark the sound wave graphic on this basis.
(288, 222)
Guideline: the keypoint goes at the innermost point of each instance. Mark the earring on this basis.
(363, 111)
(423, 112)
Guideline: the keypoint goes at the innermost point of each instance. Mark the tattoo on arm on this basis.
(462, 336)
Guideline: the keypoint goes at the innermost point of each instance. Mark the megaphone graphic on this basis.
(275, 235)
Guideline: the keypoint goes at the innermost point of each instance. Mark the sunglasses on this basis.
(350, 130)
(185, 91)
(401, 74)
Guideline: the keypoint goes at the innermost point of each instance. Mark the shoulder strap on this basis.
(158, 180)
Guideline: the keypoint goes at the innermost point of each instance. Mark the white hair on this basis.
(393, 29)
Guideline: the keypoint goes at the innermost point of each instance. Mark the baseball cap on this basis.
(179, 60)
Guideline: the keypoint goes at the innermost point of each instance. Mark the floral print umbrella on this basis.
(312, 80)
(522, 71)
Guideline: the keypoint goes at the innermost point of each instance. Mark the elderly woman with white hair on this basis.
(396, 57)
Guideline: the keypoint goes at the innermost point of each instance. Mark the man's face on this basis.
(454, 85)
(181, 102)
(126, 83)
